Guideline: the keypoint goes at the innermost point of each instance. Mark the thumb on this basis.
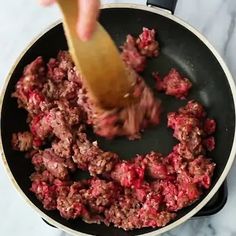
(88, 13)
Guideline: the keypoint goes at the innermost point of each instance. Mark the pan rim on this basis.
(233, 148)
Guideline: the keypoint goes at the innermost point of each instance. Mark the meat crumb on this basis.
(173, 84)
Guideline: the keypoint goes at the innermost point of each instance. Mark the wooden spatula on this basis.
(98, 60)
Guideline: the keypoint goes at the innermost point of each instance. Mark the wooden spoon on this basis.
(98, 60)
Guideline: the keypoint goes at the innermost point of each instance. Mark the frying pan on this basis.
(182, 47)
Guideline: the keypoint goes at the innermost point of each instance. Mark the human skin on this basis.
(87, 16)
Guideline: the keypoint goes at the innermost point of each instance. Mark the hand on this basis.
(88, 13)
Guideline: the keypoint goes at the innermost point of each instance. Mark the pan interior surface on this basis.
(180, 49)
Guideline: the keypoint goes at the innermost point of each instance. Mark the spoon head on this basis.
(98, 60)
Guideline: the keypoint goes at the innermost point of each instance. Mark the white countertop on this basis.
(21, 20)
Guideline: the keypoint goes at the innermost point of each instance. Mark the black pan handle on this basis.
(165, 4)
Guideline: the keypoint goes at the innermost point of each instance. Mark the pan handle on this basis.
(165, 4)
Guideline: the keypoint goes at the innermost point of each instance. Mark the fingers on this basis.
(46, 2)
(88, 13)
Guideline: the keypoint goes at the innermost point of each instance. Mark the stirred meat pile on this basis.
(145, 191)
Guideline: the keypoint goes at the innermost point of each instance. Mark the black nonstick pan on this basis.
(182, 47)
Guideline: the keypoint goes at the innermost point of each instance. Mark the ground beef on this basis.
(40, 126)
(59, 167)
(128, 174)
(72, 113)
(145, 191)
(124, 213)
(37, 160)
(193, 108)
(128, 213)
(42, 176)
(103, 163)
(209, 126)
(45, 193)
(133, 119)
(101, 195)
(54, 164)
(22, 141)
(153, 218)
(190, 132)
(179, 195)
(142, 191)
(147, 44)
(173, 84)
(88, 156)
(135, 50)
(28, 88)
(155, 167)
(71, 203)
(46, 188)
(188, 125)
(58, 123)
(201, 169)
(131, 56)
(209, 143)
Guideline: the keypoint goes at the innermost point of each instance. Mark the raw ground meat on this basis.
(209, 126)
(56, 165)
(145, 191)
(136, 50)
(130, 121)
(100, 195)
(46, 188)
(22, 141)
(131, 55)
(128, 174)
(189, 128)
(173, 84)
(147, 44)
